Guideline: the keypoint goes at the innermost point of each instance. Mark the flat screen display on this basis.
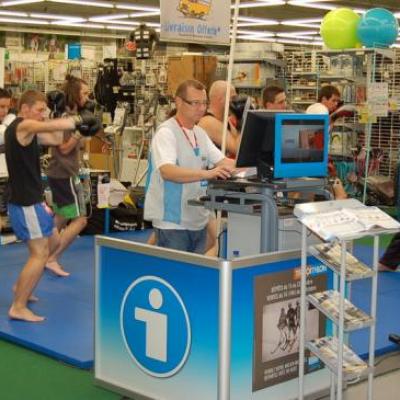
(302, 141)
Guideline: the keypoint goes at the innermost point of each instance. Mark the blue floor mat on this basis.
(67, 334)
(67, 303)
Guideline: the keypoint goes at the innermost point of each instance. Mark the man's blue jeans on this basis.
(184, 240)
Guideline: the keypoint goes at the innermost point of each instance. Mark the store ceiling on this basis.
(259, 20)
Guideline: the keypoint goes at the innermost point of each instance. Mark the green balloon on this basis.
(339, 29)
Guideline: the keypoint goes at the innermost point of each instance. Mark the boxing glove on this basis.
(3, 126)
(90, 105)
(56, 102)
(86, 123)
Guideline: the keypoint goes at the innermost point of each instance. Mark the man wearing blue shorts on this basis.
(30, 218)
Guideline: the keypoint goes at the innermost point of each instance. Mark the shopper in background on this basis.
(63, 175)
(5, 117)
(212, 121)
(30, 218)
(328, 101)
(274, 98)
(181, 152)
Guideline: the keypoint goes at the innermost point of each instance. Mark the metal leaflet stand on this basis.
(338, 374)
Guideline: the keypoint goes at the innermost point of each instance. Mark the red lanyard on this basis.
(186, 135)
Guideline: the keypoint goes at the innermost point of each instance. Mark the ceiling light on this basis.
(77, 25)
(255, 33)
(316, 26)
(89, 3)
(151, 24)
(23, 21)
(252, 4)
(298, 36)
(301, 33)
(302, 21)
(144, 14)
(118, 28)
(312, 5)
(108, 17)
(255, 38)
(17, 2)
(14, 13)
(264, 21)
(55, 16)
(125, 6)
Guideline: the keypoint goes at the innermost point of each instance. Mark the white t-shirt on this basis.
(317, 108)
(166, 203)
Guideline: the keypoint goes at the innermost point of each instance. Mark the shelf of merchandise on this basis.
(341, 361)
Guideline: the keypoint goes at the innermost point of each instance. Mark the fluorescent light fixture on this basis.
(119, 28)
(151, 24)
(298, 36)
(312, 5)
(265, 3)
(78, 25)
(23, 21)
(18, 2)
(288, 41)
(125, 6)
(264, 21)
(304, 33)
(56, 17)
(144, 14)
(302, 21)
(108, 17)
(14, 13)
(255, 38)
(316, 26)
(255, 33)
(125, 23)
(89, 3)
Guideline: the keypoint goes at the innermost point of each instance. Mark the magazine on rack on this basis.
(331, 253)
(328, 302)
(327, 349)
(347, 222)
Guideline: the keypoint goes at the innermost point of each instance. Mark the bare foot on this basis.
(32, 298)
(24, 314)
(56, 268)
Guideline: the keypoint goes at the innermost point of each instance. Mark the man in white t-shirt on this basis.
(328, 101)
(183, 159)
(5, 120)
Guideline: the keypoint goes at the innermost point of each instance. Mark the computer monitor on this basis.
(284, 145)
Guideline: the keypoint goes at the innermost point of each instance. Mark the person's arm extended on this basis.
(171, 172)
(51, 139)
(29, 127)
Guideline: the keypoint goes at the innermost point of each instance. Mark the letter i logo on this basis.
(155, 326)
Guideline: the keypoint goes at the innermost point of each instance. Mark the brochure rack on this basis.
(343, 363)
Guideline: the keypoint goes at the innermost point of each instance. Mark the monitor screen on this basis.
(284, 145)
(302, 141)
(301, 145)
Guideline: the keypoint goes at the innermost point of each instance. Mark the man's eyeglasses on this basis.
(196, 103)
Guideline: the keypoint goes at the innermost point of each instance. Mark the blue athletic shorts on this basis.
(31, 222)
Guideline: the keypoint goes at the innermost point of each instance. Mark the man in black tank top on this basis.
(212, 122)
(30, 218)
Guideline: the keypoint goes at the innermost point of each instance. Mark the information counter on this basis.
(171, 325)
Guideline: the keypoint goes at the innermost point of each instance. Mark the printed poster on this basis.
(195, 21)
(277, 325)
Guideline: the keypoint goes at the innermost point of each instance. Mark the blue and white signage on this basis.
(155, 326)
(195, 21)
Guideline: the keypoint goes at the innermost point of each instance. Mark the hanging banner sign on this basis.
(195, 21)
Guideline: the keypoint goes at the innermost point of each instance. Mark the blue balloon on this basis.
(378, 27)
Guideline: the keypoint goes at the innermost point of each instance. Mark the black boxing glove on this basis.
(86, 123)
(56, 102)
(90, 105)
